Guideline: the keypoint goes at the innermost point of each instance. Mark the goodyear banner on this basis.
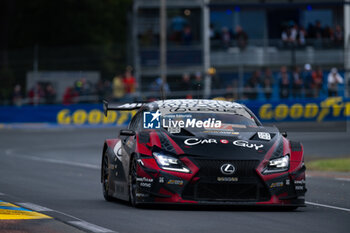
(89, 114)
(331, 109)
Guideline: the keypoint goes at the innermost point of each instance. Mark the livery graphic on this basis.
(242, 162)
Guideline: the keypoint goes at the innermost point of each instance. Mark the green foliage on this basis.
(340, 165)
(69, 22)
(70, 34)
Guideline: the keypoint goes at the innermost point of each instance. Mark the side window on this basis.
(139, 121)
(136, 122)
(132, 123)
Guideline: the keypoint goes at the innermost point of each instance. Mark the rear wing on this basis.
(117, 107)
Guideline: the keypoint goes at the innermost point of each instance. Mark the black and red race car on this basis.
(201, 152)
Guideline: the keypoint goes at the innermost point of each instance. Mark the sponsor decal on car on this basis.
(144, 179)
(227, 179)
(224, 141)
(264, 136)
(227, 169)
(146, 185)
(299, 184)
(221, 132)
(142, 195)
(276, 184)
(176, 182)
(196, 141)
(243, 143)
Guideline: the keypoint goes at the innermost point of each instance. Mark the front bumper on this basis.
(204, 186)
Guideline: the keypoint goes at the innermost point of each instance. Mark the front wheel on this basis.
(105, 178)
(132, 182)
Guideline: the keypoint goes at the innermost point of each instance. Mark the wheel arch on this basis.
(105, 147)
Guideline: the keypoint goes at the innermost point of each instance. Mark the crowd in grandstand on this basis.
(318, 35)
(229, 37)
(296, 83)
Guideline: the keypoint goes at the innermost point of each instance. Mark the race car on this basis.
(201, 152)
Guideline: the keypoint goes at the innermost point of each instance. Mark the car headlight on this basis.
(170, 163)
(277, 165)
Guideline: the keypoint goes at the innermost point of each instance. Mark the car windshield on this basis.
(209, 120)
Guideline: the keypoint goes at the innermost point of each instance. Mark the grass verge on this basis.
(336, 165)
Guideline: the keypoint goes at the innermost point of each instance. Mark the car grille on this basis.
(206, 187)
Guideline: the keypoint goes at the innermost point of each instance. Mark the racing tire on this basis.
(132, 182)
(105, 178)
(291, 208)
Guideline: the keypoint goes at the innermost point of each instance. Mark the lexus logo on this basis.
(227, 169)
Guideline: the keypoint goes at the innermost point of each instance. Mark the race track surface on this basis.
(59, 170)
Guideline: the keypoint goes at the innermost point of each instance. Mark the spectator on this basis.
(108, 90)
(187, 36)
(215, 79)
(158, 84)
(251, 88)
(118, 88)
(226, 37)
(178, 24)
(334, 79)
(307, 80)
(129, 82)
(50, 94)
(186, 84)
(284, 82)
(338, 36)
(302, 36)
(286, 37)
(86, 88)
(17, 95)
(318, 32)
(36, 94)
(294, 33)
(317, 82)
(297, 83)
(241, 37)
(69, 96)
(267, 83)
(197, 83)
(327, 36)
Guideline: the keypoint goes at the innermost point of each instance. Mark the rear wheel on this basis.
(291, 208)
(105, 178)
(132, 182)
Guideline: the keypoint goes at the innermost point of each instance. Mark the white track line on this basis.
(89, 226)
(77, 164)
(34, 206)
(327, 206)
(1, 194)
(77, 222)
(343, 179)
(10, 152)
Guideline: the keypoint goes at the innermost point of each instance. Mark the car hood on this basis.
(251, 143)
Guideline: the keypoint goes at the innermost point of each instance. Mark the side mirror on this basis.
(127, 132)
(284, 134)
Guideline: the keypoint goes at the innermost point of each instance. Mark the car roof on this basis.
(195, 105)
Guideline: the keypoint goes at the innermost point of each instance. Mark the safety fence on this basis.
(330, 109)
